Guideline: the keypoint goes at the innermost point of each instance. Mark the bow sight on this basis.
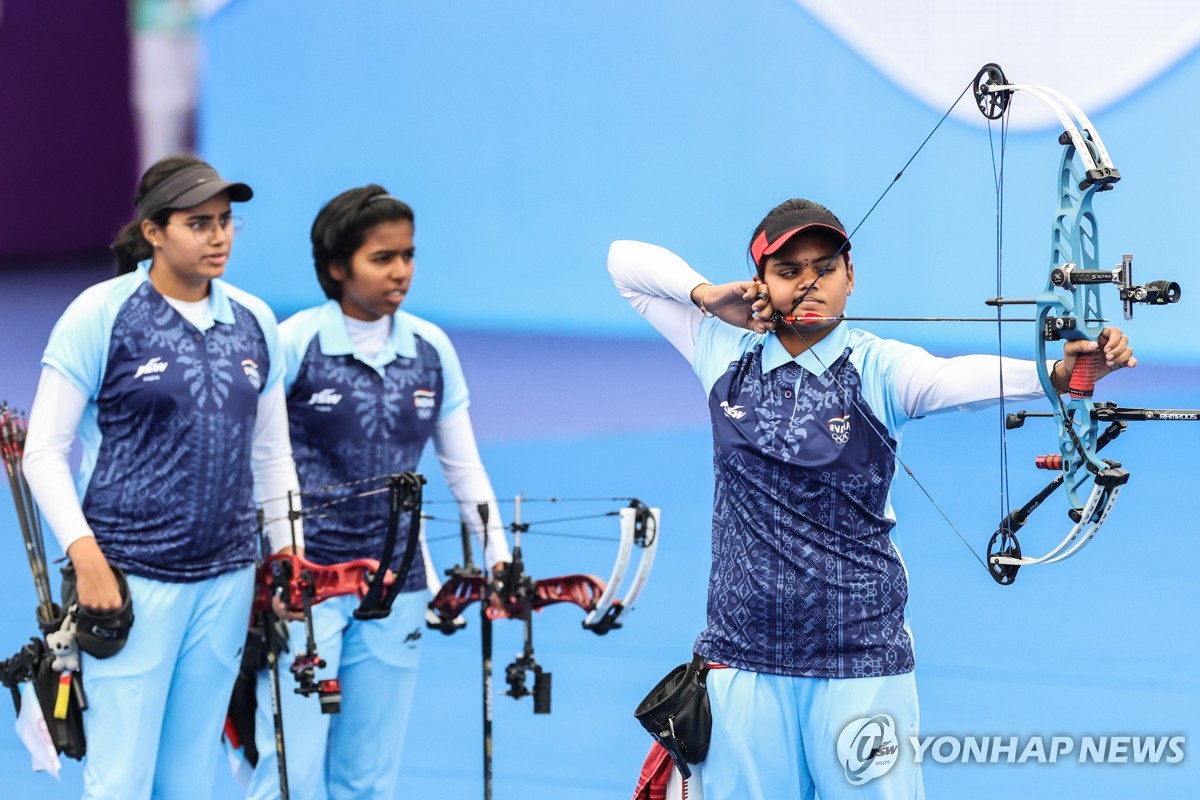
(1070, 278)
(1155, 293)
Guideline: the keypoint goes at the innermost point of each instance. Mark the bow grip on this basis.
(1083, 377)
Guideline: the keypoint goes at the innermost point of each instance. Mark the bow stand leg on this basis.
(275, 635)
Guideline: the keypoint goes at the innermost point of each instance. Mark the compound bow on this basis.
(511, 593)
(1070, 308)
(601, 600)
(298, 584)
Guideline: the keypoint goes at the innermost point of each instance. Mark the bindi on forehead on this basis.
(805, 262)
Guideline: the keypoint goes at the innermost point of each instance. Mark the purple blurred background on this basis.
(67, 161)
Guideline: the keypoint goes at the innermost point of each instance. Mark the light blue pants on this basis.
(356, 753)
(156, 708)
(778, 737)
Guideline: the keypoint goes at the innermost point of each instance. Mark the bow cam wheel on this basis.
(991, 104)
(1003, 544)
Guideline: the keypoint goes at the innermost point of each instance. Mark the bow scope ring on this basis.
(992, 104)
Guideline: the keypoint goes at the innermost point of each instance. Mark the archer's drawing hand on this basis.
(744, 304)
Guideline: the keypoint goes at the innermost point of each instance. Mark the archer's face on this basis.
(791, 273)
(379, 273)
(192, 248)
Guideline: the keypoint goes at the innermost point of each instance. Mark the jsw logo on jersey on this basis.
(425, 401)
(733, 412)
(325, 397)
(151, 369)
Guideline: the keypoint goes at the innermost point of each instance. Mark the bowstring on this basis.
(911, 158)
(532, 527)
(329, 487)
(524, 500)
(310, 511)
(554, 534)
(846, 244)
(998, 180)
(313, 512)
(885, 439)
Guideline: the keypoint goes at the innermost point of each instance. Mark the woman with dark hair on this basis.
(368, 385)
(814, 686)
(171, 380)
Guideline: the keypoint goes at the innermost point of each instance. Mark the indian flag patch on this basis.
(425, 400)
(840, 428)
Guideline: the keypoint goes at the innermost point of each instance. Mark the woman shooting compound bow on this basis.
(807, 595)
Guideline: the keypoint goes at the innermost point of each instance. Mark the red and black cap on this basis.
(785, 226)
(189, 187)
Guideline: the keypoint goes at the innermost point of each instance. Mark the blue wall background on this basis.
(528, 135)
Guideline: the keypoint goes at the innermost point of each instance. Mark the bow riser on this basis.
(460, 591)
(602, 600)
(294, 576)
(1073, 312)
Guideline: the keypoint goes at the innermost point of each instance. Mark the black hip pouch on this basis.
(677, 714)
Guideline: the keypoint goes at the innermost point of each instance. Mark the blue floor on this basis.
(1102, 645)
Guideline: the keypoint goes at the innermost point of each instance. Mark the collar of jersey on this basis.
(335, 339)
(816, 359)
(218, 300)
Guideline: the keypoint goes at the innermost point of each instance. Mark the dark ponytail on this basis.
(131, 246)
